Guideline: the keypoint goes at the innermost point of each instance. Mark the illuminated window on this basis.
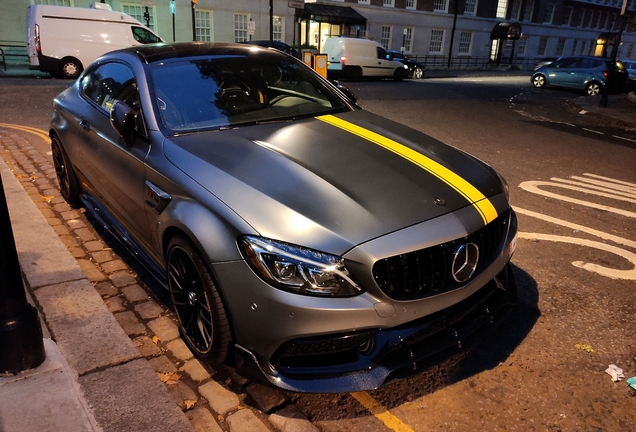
(502, 6)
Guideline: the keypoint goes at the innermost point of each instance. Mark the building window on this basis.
(587, 18)
(528, 12)
(437, 41)
(502, 6)
(408, 39)
(388, 3)
(385, 37)
(363, 2)
(543, 43)
(203, 25)
(548, 13)
(240, 27)
(277, 28)
(470, 6)
(440, 5)
(465, 40)
(515, 9)
(574, 46)
(592, 47)
(411, 4)
(567, 15)
(630, 49)
(53, 2)
(521, 46)
(137, 12)
(583, 45)
(596, 20)
(560, 47)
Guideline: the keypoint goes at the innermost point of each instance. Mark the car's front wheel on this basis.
(593, 88)
(538, 81)
(203, 323)
(418, 73)
(69, 186)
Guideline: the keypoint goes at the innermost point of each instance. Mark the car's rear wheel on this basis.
(70, 68)
(538, 81)
(203, 323)
(593, 88)
(418, 73)
(69, 186)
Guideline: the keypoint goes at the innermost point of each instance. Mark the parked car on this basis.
(630, 67)
(280, 46)
(587, 74)
(318, 246)
(416, 69)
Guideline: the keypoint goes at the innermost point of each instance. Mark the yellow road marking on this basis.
(381, 413)
(38, 132)
(482, 204)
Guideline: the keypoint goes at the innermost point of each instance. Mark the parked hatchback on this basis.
(582, 73)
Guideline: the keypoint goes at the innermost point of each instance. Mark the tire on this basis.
(539, 81)
(353, 72)
(400, 74)
(418, 73)
(593, 88)
(203, 323)
(70, 68)
(69, 186)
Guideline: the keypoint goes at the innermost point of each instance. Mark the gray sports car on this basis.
(315, 245)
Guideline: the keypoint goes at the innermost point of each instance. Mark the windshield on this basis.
(232, 90)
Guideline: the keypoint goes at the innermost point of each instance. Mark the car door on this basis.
(386, 64)
(560, 72)
(114, 170)
(583, 72)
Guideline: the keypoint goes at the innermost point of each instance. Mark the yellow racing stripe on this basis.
(482, 204)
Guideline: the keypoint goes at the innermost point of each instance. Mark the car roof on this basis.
(151, 53)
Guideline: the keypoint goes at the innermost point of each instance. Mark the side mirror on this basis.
(122, 118)
(345, 90)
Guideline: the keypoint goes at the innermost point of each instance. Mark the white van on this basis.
(356, 58)
(63, 40)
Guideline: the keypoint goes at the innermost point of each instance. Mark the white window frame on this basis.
(560, 48)
(67, 3)
(411, 4)
(240, 27)
(548, 13)
(366, 2)
(126, 8)
(528, 12)
(278, 29)
(203, 32)
(440, 5)
(388, 3)
(437, 39)
(522, 44)
(568, 12)
(385, 36)
(407, 40)
(465, 48)
(543, 40)
(470, 11)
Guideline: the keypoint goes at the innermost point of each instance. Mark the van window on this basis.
(382, 53)
(143, 36)
(109, 83)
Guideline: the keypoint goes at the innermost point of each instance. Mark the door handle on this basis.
(85, 125)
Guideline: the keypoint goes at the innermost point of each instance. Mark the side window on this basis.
(109, 83)
(382, 53)
(566, 63)
(143, 36)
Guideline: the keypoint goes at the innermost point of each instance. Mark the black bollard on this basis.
(21, 344)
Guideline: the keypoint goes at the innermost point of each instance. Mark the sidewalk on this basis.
(93, 364)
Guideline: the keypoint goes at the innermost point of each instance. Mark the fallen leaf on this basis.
(169, 377)
(19, 176)
(155, 339)
(189, 403)
(33, 177)
(584, 347)
(47, 198)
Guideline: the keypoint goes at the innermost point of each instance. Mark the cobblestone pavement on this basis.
(213, 399)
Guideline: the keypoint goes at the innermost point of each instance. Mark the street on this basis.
(572, 182)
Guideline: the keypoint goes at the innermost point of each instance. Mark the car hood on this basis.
(332, 182)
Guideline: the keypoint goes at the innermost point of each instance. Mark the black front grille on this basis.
(427, 272)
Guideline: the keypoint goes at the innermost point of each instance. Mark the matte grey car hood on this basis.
(311, 183)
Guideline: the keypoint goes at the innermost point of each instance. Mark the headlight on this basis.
(297, 269)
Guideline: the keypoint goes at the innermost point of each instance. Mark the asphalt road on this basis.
(575, 194)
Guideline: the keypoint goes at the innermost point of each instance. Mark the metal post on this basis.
(605, 93)
(194, 25)
(452, 39)
(20, 330)
(271, 22)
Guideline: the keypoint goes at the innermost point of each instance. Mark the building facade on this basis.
(461, 29)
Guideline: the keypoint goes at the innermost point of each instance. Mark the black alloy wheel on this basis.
(203, 323)
(69, 187)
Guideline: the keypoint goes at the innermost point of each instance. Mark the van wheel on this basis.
(353, 72)
(70, 68)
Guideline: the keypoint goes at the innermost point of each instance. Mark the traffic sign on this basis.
(296, 4)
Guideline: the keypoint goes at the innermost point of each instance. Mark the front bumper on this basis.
(313, 344)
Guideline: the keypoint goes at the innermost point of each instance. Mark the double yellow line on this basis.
(38, 132)
(474, 197)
